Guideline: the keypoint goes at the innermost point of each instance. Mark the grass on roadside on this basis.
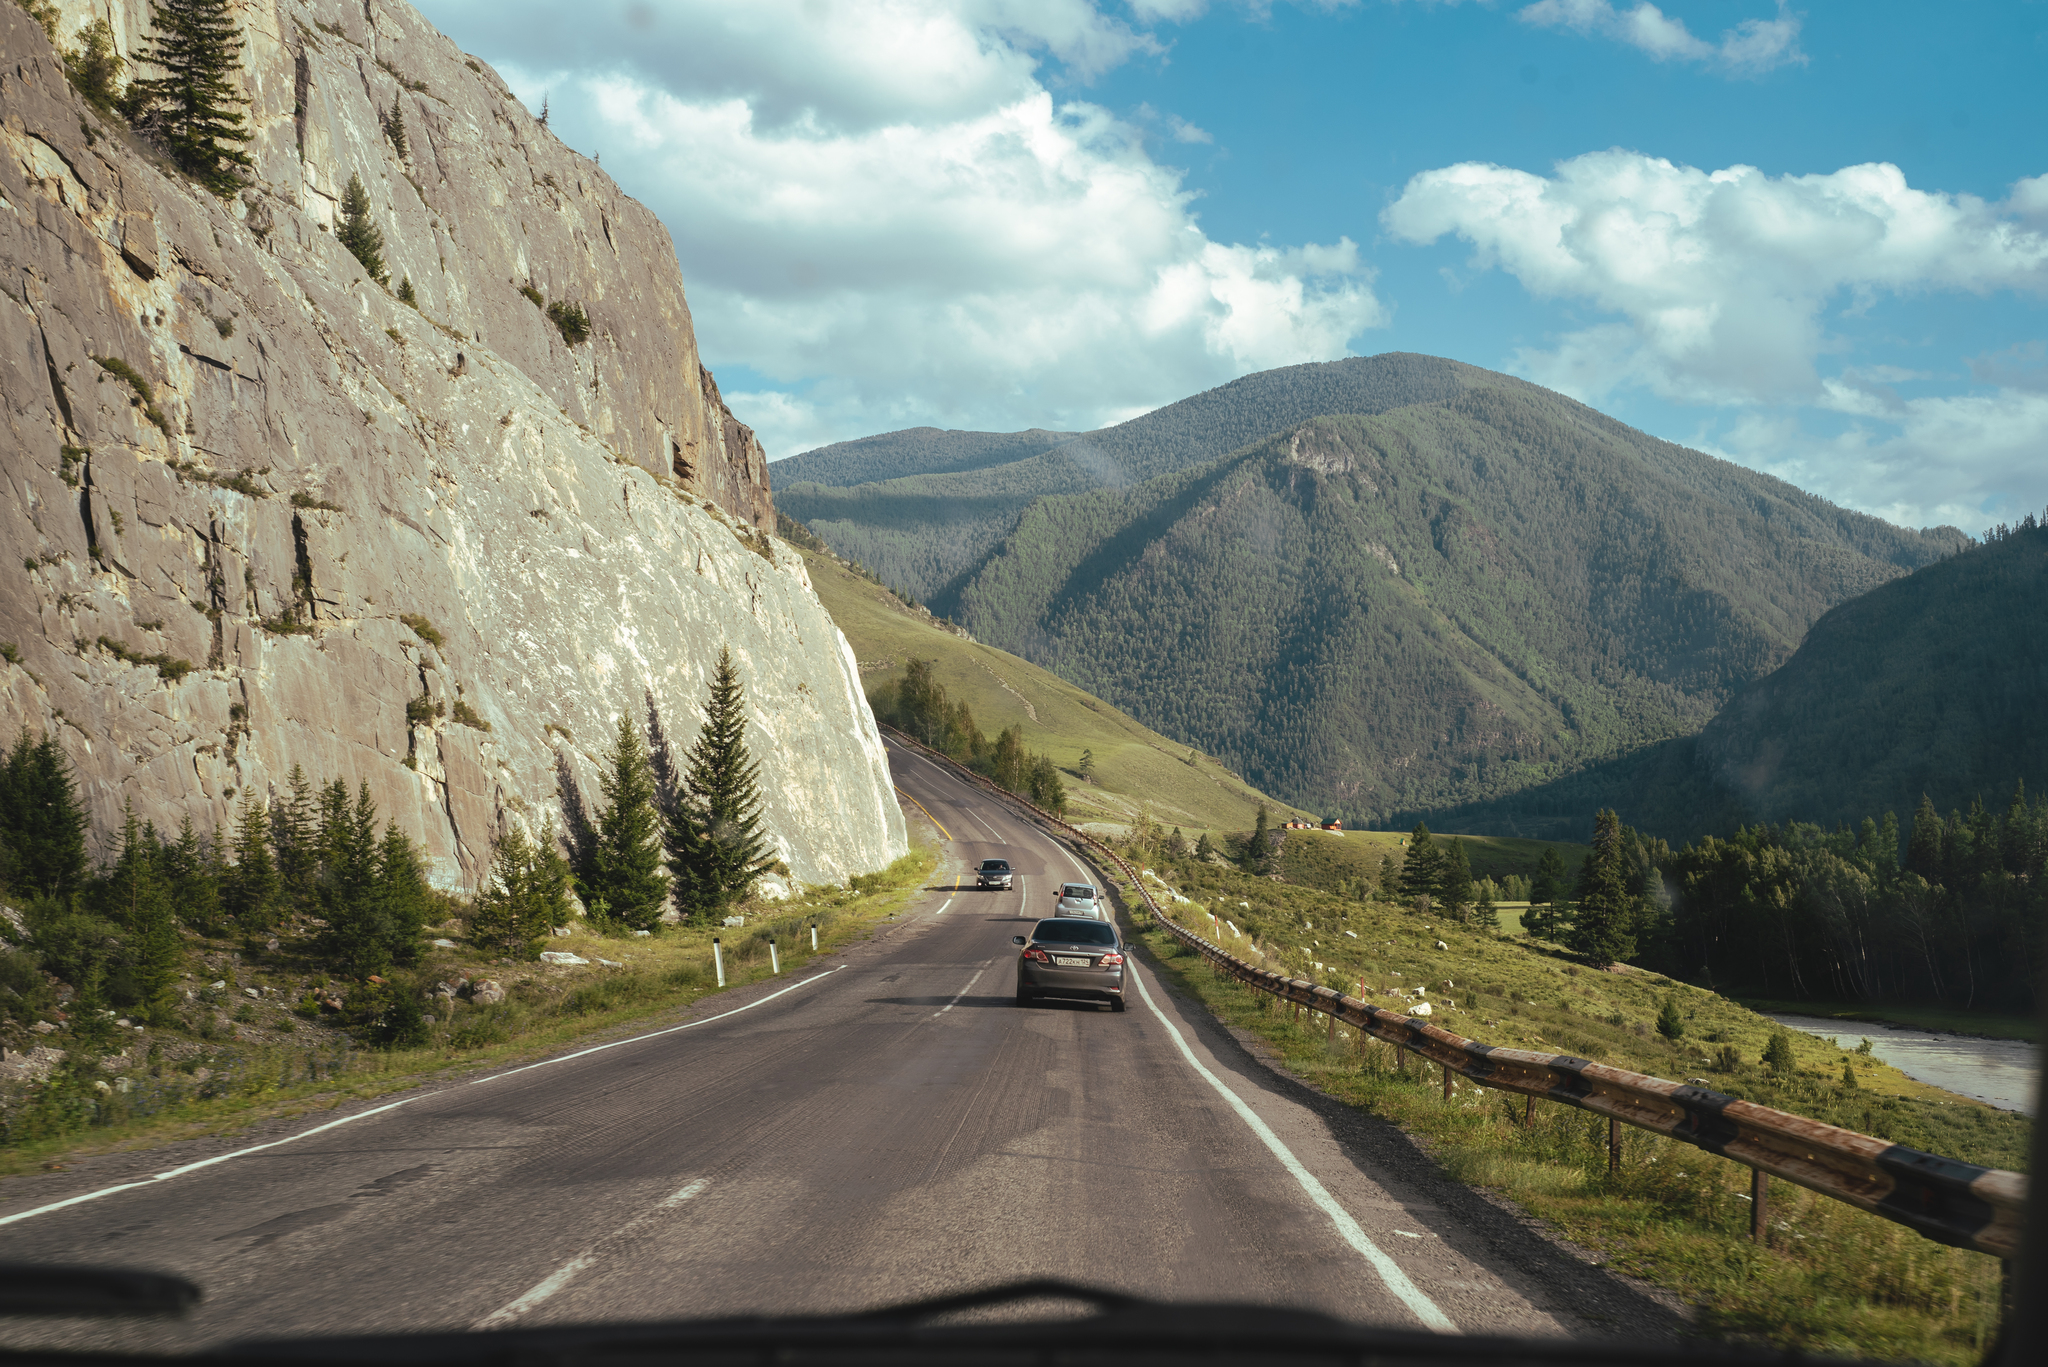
(546, 1007)
(1833, 1278)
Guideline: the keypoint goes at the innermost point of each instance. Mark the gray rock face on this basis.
(281, 505)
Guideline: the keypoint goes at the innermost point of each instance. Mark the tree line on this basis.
(314, 861)
(917, 703)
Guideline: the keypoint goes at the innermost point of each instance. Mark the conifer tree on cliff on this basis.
(721, 851)
(622, 882)
(192, 107)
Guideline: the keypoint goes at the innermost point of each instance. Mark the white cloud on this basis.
(1720, 279)
(1967, 460)
(1752, 47)
(884, 214)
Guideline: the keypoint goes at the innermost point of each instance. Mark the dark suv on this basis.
(995, 873)
(1070, 957)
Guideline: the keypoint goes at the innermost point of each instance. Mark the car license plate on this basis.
(1069, 963)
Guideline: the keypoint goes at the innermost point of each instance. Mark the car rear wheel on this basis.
(1117, 1005)
(1023, 997)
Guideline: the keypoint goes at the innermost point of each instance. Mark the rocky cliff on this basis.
(266, 514)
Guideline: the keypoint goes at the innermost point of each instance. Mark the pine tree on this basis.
(625, 860)
(1009, 765)
(394, 128)
(137, 898)
(94, 66)
(1604, 926)
(1547, 888)
(192, 107)
(358, 233)
(1925, 852)
(1778, 1056)
(1670, 1024)
(527, 896)
(194, 886)
(1046, 789)
(1456, 880)
(357, 938)
(1422, 868)
(723, 800)
(1205, 848)
(1256, 848)
(249, 892)
(1485, 914)
(1087, 767)
(42, 827)
(400, 893)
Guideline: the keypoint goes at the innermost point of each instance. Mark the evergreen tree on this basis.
(1485, 914)
(193, 881)
(526, 897)
(394, 127)
(721, 780)
(94, 66)
(1422, 868)
(1604, 925)
(1778, 1056)
(295, 836)
(1046, 789)
(1456, 880)
(625, 859)
(1087, 766)
(1547, 888)
(1010, 765)
(42, 827)
(249, 891)
(1205, 848)
(1259, 845)
(362, 237)
(137, 898)
(1925, 854)
(192, 107)
(356, 938)
(1670, 1024)
(401, 893)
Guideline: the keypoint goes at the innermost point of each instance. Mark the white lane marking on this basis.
(942, 909)
(657, 1034)
(568, 1271)
(961, 993)
(392, 1106)
(1407, 1292)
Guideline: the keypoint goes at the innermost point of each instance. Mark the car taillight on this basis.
(1112, 961)
(1039, 955)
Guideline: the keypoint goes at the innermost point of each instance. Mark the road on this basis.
(884, 1125)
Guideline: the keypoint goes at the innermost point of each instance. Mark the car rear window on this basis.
(1071, 932)
(994, 866)
(1082, 890)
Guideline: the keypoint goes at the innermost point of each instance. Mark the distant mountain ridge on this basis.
(925, 531)
(1445, 603)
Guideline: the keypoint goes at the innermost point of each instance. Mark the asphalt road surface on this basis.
(885, 1124)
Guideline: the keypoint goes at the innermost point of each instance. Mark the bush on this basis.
(573, 322)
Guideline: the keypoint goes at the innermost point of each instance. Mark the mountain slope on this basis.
(925, 532)
(432, 550)
(1936, 683)
(1134, 770)
(1431, 606)
(913, 451)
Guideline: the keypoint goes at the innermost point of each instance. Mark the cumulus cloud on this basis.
(1752, 47)
(1966, 460)
(883, 212)
(1721, 279)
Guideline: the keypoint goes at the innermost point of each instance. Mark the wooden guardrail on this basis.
(1949, 1201)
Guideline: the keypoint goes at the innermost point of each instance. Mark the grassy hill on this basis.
(923, 508)
(1442, 604)
(1134, 769)
(913, 451)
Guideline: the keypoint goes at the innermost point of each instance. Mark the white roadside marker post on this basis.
(718, 960)
(774, 960)
(814, 939)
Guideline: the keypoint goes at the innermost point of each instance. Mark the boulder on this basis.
(487, 993)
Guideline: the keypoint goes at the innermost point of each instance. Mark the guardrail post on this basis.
(1401, 1059)
(1529, 1113)
(1447, 1081)
(718, 960)
(1613, 1146)
(1333, 1030)
(1759, 1207)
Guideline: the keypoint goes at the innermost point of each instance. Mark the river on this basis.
(2002, 1072)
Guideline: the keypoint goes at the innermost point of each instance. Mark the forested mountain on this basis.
(913, 451)
(1933, 684)
(926, 531)
(1452, 601)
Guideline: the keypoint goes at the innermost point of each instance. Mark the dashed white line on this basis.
(961, 993)
(569, 1271)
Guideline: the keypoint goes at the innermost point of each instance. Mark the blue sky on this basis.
(1813, 240)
